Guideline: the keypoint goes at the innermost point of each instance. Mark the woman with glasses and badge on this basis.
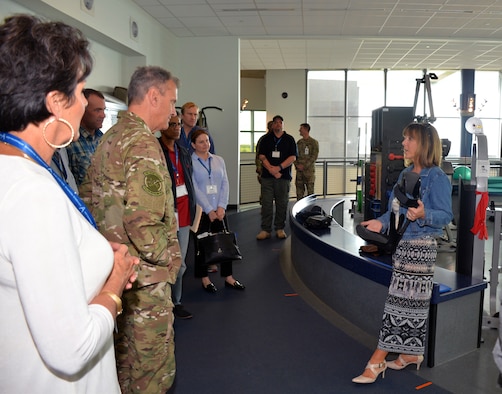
(61, 280)
(211, 191)
(404, 324)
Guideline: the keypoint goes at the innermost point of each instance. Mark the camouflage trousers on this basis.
(304, 179)
(144, 345)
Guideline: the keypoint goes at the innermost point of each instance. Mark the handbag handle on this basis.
(224, 226)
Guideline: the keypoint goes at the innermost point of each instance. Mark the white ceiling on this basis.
(345, 34)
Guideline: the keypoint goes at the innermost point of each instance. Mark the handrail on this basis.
(326, 163)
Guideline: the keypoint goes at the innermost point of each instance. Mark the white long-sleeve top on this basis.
(52, 263)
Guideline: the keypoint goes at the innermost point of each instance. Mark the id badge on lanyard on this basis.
(276, 153)
(181, 190)
(211, 189)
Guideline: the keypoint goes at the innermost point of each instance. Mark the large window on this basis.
(340, 103)
(365, 92)
(403, 88)
(339, 109)
(253, 125)
(488, 108)
(326, 111)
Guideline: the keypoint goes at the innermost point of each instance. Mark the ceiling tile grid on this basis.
(344, 34)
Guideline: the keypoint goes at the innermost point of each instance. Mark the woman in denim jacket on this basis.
(404, 325)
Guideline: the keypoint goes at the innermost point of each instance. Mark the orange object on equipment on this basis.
(392, 156)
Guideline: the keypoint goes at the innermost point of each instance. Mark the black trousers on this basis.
(200, 267)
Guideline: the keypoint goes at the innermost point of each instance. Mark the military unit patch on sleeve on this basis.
(153, 184)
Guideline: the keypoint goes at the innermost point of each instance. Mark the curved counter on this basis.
(329, 263)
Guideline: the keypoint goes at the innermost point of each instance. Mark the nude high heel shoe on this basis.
(376, 369)
(404, 364)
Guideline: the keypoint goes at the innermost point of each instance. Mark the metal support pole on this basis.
(479, 173)
(491, 321)
(325, 178)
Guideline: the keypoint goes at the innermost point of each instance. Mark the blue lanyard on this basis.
(175, 166)
(203, 165)
(28, 150)
(277, 142)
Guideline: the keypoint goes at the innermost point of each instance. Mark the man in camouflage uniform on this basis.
(128, 190)
(308, 150)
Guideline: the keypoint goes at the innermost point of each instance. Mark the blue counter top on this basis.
(343, 248)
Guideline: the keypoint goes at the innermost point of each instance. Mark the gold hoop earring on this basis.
(64, 121)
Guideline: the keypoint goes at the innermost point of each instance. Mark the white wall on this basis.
(210, 74)
(116, 53)
(254, 90)
(293, 108)
(8, 7)
(108, 68)
(109, 64)
(208, 68)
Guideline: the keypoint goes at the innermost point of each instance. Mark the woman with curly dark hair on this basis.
(61, 281)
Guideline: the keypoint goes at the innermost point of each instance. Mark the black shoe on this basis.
(237, 285)
(181, 313)
(210, 288)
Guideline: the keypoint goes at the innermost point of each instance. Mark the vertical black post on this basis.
(467, 91)
(465, 220)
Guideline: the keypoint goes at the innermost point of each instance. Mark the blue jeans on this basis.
(274, 190)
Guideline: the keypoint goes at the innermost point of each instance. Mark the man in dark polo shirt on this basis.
(277, 152)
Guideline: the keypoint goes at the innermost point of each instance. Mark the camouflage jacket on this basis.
(308, 150)
(128, 190)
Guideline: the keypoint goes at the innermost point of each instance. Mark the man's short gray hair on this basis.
(146, 77)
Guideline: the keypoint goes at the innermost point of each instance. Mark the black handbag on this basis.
(318, 222)
(386, 243)
(215, 248)
(407, 192)
(314, 217)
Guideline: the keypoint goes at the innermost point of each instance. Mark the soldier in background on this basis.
(308, 150)
(257, 156)
(128, 190)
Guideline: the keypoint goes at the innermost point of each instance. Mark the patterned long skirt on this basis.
(404, 325)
